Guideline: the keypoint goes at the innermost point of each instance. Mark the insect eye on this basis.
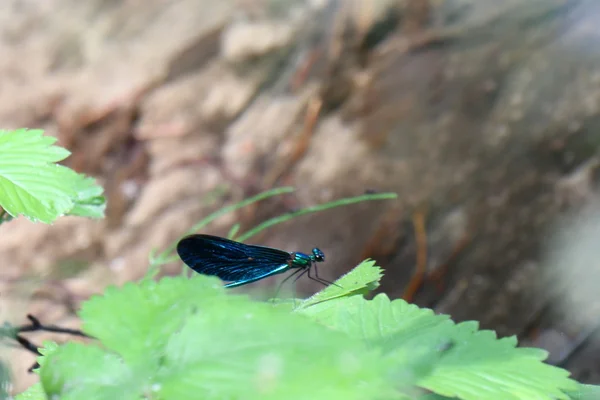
(318, 254)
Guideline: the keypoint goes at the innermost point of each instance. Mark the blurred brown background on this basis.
(483, 115)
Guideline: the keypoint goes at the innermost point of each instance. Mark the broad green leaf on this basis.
(474, 364)
(359, 281)
(149, 310)
(34, 392)
(483, 366)
(585, 392)
(375, 321)
(88, 201)
(185, 339)
(48, 348)
(422, 332)
(258, 353)
(31, 184)
(433, 396)
(76, 371)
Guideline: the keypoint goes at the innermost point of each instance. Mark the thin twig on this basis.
(37, 326)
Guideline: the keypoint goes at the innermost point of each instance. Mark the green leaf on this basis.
(48, 348)
(481, 365)
(473, 364)
(34, 392)
(433, 396)
(31, 184)
(149, 310)
(359, 281)
(256, 356)
(187, 339)
(76, 371)
(89, 201)
(585, 392)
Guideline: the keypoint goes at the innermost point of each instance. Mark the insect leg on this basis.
(288, 277)
(316, 278)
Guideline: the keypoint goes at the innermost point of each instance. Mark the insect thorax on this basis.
(301, 260)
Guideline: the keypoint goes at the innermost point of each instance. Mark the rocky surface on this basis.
(481, 115)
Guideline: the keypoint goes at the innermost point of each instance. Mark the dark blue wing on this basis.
(231, 261)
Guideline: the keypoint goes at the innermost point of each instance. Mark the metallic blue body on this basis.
(238, 263)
